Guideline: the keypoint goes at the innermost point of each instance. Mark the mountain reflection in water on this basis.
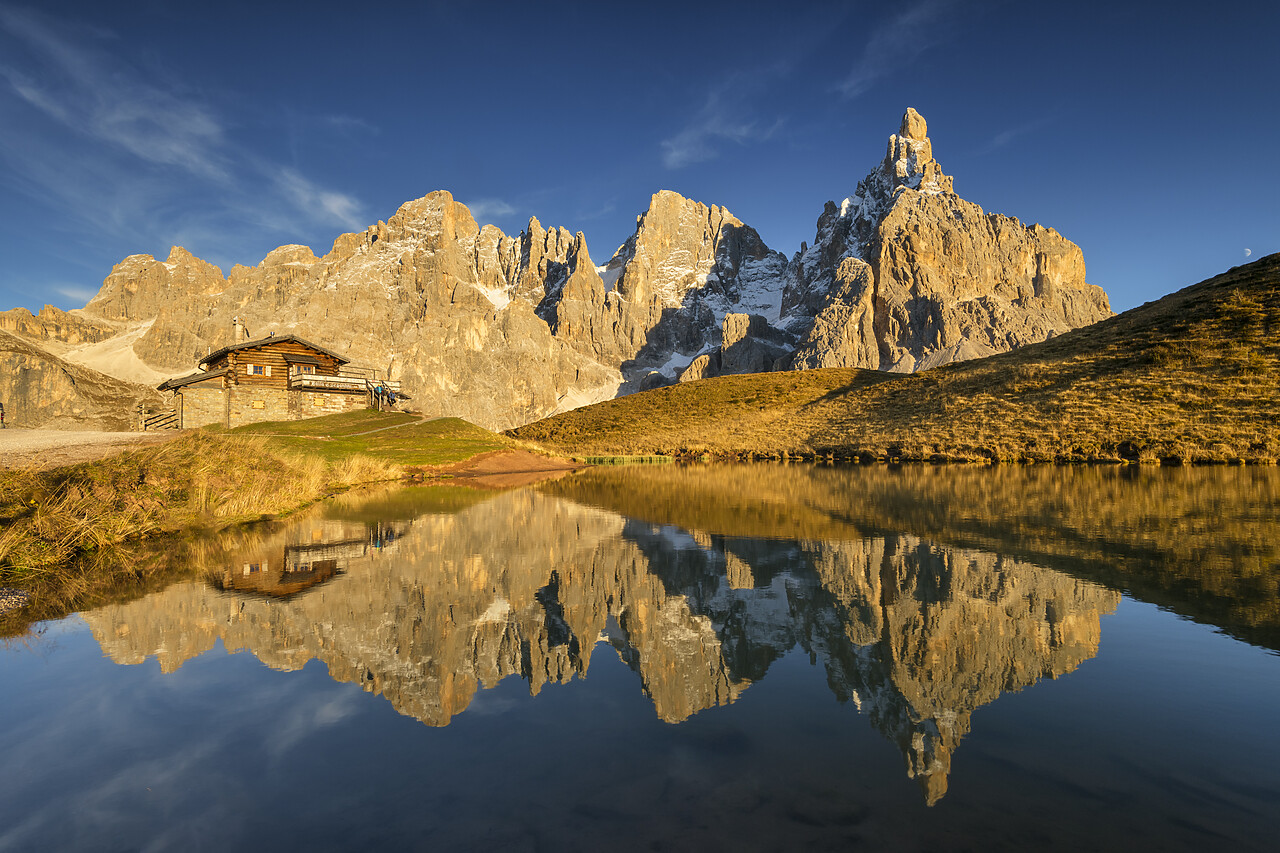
(699, 579)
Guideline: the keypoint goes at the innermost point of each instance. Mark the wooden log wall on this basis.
(271, 355)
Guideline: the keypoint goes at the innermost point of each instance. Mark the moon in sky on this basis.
(1248, 252)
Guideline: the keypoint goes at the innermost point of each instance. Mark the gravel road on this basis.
(52, 448)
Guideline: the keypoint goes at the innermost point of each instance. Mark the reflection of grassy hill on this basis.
(1204, 542)
(403, 503)
(1194, 376)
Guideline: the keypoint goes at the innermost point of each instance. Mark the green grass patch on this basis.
(391, 437)
(329, 426)
(415, 445)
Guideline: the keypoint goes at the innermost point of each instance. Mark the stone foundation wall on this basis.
(203, 406)
(312, 404)
(250, 405)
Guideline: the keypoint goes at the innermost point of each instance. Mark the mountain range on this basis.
(902, 275)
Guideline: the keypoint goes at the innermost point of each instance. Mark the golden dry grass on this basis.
(1193, 377)
(197, 480)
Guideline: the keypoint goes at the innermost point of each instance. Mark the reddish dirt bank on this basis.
(504, 469)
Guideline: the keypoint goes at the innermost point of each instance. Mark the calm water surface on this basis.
(723, 658)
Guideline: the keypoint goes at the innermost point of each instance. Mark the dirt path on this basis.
(505, 469)
(421, 420)
(53, 448)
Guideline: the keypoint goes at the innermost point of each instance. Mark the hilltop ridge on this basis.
(1188, 378)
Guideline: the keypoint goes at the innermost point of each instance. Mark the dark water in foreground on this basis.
(739, 658)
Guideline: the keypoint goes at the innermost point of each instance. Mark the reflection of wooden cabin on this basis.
(282, 572)
(280, 378)
(278, 578)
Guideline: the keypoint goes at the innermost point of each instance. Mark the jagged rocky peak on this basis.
(908, 164)
(909, 161)
(139, 286)
(680, 245)
(425, 217)
(902, 275)
(290, 254)
(542, 264)
(684, 269)
(905, 275)
(429, 221)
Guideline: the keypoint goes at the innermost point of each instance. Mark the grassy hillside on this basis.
(391, 437)
(1192, 377)
(204, 479)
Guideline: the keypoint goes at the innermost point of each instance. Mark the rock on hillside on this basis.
(502, 330)
(39, 389)
(55, 326)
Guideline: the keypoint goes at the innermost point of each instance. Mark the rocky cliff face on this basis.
(38, 389)
(447, 307)
(55, 326)
(903, 275)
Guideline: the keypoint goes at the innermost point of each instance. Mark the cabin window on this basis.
(305, 368)
(257, 369)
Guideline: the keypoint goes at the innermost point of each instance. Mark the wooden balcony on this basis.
(349, 381)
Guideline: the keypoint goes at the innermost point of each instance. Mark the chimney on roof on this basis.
(239, 330)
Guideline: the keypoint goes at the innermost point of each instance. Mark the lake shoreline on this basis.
(201, 482)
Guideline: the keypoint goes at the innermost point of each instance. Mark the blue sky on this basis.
(1147, 133)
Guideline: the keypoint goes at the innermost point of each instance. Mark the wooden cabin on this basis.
(277, 378)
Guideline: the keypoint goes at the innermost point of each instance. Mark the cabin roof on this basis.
(299, 358)
(190, 379)
(274, 339)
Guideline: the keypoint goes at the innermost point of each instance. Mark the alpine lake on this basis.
(737, 657)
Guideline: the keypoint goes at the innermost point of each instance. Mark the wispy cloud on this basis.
(325, 205)
(486, 210)
(350, 124)
(71, 291)
(896, 42)
(725, 117)
(77, 88)
(1007, 136)
(142, 159)
(597, 212)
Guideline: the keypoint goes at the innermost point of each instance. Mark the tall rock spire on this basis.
(909, 161)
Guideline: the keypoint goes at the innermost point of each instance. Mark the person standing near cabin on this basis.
(2, 426)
